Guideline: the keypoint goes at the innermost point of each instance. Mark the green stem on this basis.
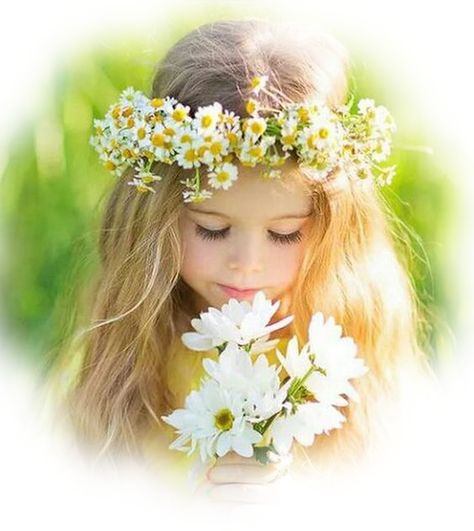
(197, 180)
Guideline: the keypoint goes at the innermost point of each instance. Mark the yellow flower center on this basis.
(179, 115)
(256, 82)
(257, 128)
(222, 176)
(323, 132)
(302, 114)
(202, 150)
(141, 133)
(206, 121)
(232, 137)
(288, 139)
(223, 419)
(216, 148)
(198, 199)
(321, 161)
(255, 151)
(158, 139)
(362, 173)
(190, 155)
(311, 141)
(116, 112)
(109, 165)
(127, 111)
(157, 102)
(147, 178)
(251, 106)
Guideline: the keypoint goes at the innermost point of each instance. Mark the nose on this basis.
(246, 254)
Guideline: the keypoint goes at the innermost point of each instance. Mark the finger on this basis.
(234, 457)
(235, 473)
(239, 493)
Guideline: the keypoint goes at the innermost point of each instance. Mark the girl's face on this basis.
(252, 235)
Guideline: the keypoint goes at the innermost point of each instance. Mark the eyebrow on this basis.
(286, 216)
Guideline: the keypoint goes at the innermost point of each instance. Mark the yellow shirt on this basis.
(185, 372)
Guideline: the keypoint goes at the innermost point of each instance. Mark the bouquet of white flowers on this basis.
(242, 405)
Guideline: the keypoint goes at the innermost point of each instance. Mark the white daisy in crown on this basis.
(189, 154)
(179, 115)
(135, 99)
(258, 83)
(319, 135)
(216, 147)
(223, 176)
(207, 118)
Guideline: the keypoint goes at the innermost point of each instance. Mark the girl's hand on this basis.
(234, 478)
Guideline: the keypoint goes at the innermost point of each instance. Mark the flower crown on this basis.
(138, 131)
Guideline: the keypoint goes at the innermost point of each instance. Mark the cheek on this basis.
(199, 255)
(285, 262)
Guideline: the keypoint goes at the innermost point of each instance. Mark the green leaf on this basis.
(261, 453)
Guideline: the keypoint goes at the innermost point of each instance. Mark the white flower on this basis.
(206, 118)
(213, 419)
(215, 147)
(295, 362)
(337, 356)
(310, 419)
(191, 196)
(223, 176)
(134, 98)
(258, 83)
(230, 120)
(141, 186)
(365, 105)
(257, 382)
(238, 322)
(255, 127)
(179, 115)
(188, 153)
(333, 353)
(136, 126)
(380, 151)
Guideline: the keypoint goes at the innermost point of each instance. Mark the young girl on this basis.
(316, 245)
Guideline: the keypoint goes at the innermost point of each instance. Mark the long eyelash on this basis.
(286, 238)
(207, 234)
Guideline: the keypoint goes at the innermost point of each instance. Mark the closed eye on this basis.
(275, 237)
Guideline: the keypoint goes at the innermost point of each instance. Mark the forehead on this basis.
(252, 197)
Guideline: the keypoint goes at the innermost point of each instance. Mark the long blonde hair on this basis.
(138, 305)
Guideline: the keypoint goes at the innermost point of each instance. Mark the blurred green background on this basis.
(53, 189)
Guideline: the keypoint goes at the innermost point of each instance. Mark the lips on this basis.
(239, 293)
